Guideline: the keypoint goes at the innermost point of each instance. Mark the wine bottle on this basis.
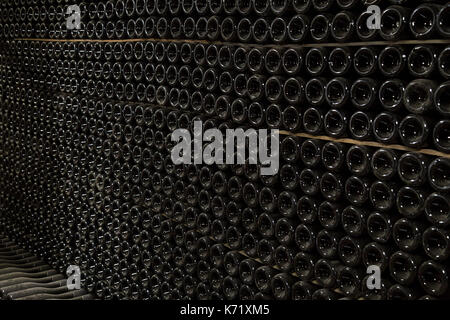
(304, 265)
(364, 33)
(343, 26)
(418, 96)
(326, 272)
(440, 136)
(423, 22)
(392, 61)
(403, 267)
(394, 22)
(379, 227)
(263, 276)
(329, 214)
(436, 243)
(399, 292)
(315, 91)
(358, 160)
(407, 234)
(443, 63)
(298, 28)
(412, 168)
(307, 209)
(414, 131)
(433, 277)
(365, 61)
(385, 127)
(436, 211)
(304, 237)
(410, 201)
(391, 94)
(442, 26)
(281, 285)
(327, 242)
(376, 254)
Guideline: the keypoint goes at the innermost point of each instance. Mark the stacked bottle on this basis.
(87, 177)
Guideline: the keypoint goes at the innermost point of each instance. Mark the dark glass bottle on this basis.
(333, 156)
(326, 272)
(365, 61)
(384, 164)
(363, 32)
(310, 181)
(284, 258)
(433, 277)
(385, 127)
(324, 295)
(441, 99)
(350, 250)
(302, 290)
(422, 61)
(313, 121)
(291, 119)
(247, 269)
(394, 22)
(263, 276)
(399, 292)
(391, 94)
(364, 93)
(327, 243)
(403, 267)
(437, 174)
(376, 254)
(418, 96)
(350, 281)
(320, 29)
(304, 265)
(358, 160)
(437, 209)
(336, 123)
(331, 186)
(414, 131)
(407, 234)
(392, 61)
(230, 288)
(353, 220)
(307, 209)
(379, 227)
(412, 168)
(443, 63)
(436, 243)
(340, 61)
(316, 61)
(310, 152)
(441, 135)
(442, 18)
(287, 203)
(423, 22)
(305, 236)
(411, 201)
(249, 244)
(315, 91)
(298, 28)
(343, 26)
(337, 92)
(281, 285)
(329, 214)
